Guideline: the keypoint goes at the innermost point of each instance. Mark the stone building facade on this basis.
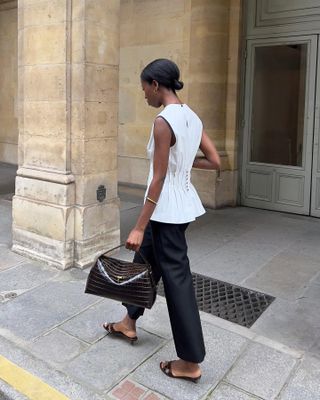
(74, 119)
(73, 116)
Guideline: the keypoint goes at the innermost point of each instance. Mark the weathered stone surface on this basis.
(9, 85)
(38, 247)
(204, 41)
(36, 39)
(55, 156)
(68, 93)
(260, 361)
(9, 259)
(45, 118)
(37, 190)
(94, 220)
(49, 306)
(101, 83)
(87, 325)
(51, 222)
(90, 367)
(102, 44)
(45, 82)
(7, 392)
(283, 277)
(25, 277)
(137, 169)
(86, 187)
(39, 13)
(157, 320)
(56, 379)
(226, 392)
(222, 350)
(57, 347)
(294, 323)
(94, 119)
(305, 383)
(250, 250)
(104, 12)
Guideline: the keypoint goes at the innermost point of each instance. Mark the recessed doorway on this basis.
(280, 169)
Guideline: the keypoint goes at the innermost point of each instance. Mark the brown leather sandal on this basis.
(111, 331)
(165, 367)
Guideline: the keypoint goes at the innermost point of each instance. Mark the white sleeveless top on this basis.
(178, 202)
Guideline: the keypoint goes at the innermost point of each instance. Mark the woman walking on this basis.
(171, 203)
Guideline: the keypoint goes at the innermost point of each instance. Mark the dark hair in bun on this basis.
(165, 72)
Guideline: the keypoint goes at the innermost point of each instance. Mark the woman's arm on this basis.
(211, 159)
(162, 139)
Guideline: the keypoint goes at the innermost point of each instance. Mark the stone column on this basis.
(213, 75)
(68, 95)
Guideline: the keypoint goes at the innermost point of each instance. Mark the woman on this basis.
(171, 203)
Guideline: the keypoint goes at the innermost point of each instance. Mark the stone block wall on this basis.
(202, 37)
(149, 29)
(8, 82)
(68, 112)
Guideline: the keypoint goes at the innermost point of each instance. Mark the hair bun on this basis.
(178, 85)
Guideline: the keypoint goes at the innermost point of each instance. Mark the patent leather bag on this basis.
(128, 282)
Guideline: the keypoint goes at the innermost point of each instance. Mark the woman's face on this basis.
(151, 93)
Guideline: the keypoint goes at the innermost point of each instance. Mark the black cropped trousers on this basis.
(165, 248)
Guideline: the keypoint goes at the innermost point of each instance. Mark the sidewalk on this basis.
(53, 330)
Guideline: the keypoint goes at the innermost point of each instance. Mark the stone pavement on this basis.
(53, 330)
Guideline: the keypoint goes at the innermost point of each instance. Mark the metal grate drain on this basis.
(233, 303)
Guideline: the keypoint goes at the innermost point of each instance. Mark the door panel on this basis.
(278, 131)
(315, 193)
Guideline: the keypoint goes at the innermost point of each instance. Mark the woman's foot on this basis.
(126, 327)
(181, 369)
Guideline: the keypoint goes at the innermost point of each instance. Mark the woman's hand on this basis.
(135, 239)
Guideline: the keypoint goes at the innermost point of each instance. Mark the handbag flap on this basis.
(121, 272)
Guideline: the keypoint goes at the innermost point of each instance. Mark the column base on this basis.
(39, 248)
(216, 192)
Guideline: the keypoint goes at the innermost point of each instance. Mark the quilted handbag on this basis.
(128, 282)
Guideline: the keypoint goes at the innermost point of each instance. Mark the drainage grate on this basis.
(227, 301)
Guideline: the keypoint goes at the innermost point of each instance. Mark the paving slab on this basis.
(308, 244)
(210, 237)
(222, 348)
(10, 259)
(44, 308)
(315, 348)
(111, 359)
(57, 379)
(261, 371)
(317, 279)
(227, 392)
(239, 258)
(157, 320)
(293, 323)
(26, 276)
(57, 347)
(312, 292)
(8, 393)
(305, 383)
(286, 275)
(87, 325)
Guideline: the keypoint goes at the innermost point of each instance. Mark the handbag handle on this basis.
(139, 252)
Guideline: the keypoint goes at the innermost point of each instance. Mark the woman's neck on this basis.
(170, 98)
